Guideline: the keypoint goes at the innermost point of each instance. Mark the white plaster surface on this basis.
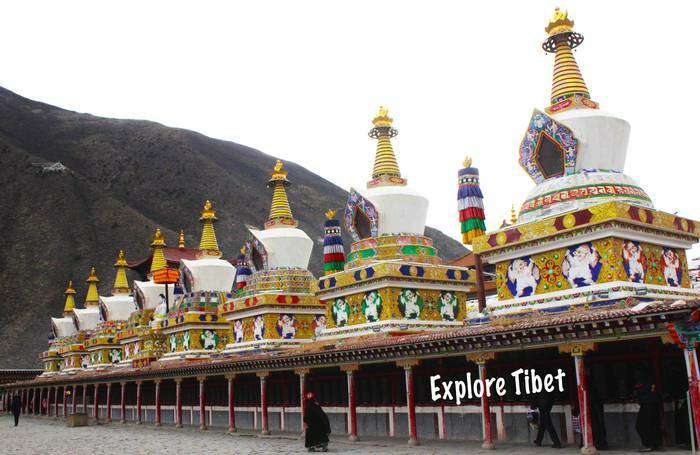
(210, 274)
(286, 247)
(401, 209)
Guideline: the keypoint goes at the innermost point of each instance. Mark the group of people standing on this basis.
(648, 423)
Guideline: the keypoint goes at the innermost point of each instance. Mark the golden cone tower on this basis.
(158, 246)
(121, 285)
(208, 246)
(280, 211)
(92, 299)
(386, 169)
(567, 81)
(70, 300)
(181, 240)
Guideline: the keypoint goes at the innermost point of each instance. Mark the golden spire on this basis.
(208, 246)
(158, 262)
(121, 285)
(330, 214)
(92, 298)
(280, 212)
(70, 300)
(386, 169)
(567, 81)
(513, 217)
(181, 241)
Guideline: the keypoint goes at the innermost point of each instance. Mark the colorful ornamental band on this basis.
(470, 203)
(243, 271)
(583, 192)
(333, 250)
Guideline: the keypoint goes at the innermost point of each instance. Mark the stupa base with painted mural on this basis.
(277, 310)
(394, 283)
(194, 330)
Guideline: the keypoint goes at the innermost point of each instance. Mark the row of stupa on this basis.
(586, 236)
(392, 280)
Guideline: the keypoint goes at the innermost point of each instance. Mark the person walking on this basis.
(544, 403)
(16, 407)
(317, 425)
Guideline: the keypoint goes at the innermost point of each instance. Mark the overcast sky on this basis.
(301, 80)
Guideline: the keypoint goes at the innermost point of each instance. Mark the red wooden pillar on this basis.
(32, 400)
(55, 402)
(65, 401)
(231, 407)
(138, 403)
(122, 403)
(691, 363)
(584, 405)
(410, 404)
(202, 403)
(41, 401)
(178, 402)
(352, 403)
(157, 383)
(84, 405)
(302, 396)
(485, 411)
(263, 402)
(23, 400)
(95, 403)
(74, 403)
(48, 402)
(109, 402)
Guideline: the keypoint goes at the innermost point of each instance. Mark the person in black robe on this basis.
(649, 417)
(600, 436)
(16, 407)
(544, 403)
(317, 425)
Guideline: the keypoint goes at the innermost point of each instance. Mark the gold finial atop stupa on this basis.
(382, 118)
(386, 169)
(208, 246)
(70, 300)
(330, 214)
(280, 211)
(92, 298)
(121, 285)
(567, 82)
(467, 161)
(158, 261)
(243, 249)
(513, 217)
(181, 240)
(559, 23)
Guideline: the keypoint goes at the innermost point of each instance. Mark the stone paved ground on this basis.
(47, 436)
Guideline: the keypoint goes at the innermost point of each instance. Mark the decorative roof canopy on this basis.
(208, 245)
(158, 245)
(386, 169)
(280, 211)
(70, 299)
(568, 87)
(121, 285)
(92, 299)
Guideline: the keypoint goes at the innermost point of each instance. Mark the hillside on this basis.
(124, 178)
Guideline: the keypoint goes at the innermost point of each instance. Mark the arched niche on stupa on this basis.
(549, 148)
(256, 255)
(361, 217)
